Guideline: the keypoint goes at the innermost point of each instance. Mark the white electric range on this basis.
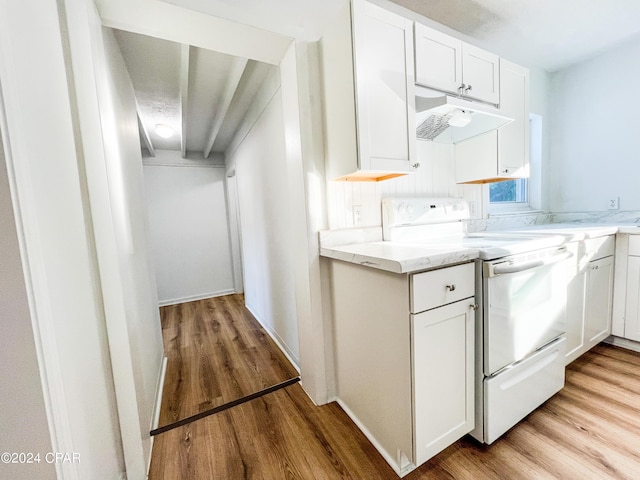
(521, 294)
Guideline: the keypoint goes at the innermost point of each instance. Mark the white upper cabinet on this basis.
(513, 138)
(438, 60)
(502, 154)
(367, 70)
(446, 63)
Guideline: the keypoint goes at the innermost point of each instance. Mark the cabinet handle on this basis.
(416, 165)
(474, 307)
(451, 287)
(505, 171)
(468, 89)
(461, 89)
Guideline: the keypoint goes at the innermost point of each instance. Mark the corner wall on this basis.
(189, 228)
(260, 164)
(49, 193)
(595, 146)
(23, 419)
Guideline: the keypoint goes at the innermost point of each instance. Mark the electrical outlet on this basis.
(614, 203)
(472, 209)
(357, 215)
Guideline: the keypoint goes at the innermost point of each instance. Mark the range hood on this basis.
(447, 119)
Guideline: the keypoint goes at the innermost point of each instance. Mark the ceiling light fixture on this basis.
(164, 131)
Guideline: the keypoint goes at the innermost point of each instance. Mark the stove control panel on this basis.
(422, 211)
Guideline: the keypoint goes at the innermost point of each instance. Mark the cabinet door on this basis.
(384, 88)
(438, 59)
(632, 310)
(443, 377)
(598, 301)
(476, 158)
(575, 313)
(513, 138)
(480, 74)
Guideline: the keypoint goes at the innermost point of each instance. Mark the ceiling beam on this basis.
(144, 134)
(233, 80)
(159, 19)
(184, 96)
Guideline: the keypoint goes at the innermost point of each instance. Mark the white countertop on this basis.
(399, 257)
(402, 257)
(572, 231)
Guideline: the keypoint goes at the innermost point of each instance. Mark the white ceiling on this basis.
(155, 65)
(551, 34)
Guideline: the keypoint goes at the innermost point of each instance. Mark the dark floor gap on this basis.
(223, 407)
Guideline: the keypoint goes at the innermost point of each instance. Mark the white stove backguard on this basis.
(444, 214)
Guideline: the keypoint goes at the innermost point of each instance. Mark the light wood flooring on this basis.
(216, 353)
(590, 430)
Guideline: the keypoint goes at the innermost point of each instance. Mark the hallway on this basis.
(216, 353)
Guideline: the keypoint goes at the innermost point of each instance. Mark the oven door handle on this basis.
(521, 267)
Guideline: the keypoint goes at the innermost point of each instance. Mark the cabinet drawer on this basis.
(440, 287)
(634, 245)
(596, 248)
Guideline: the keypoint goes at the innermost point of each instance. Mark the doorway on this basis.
(225, 120)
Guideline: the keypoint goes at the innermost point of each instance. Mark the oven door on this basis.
(524, 305)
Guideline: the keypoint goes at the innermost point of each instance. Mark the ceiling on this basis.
(216, 89)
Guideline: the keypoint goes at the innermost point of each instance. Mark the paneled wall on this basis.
(434, 178)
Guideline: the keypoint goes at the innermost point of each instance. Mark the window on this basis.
(521, 194)
(509, 191)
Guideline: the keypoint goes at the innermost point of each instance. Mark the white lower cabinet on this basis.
(589, 295)
(404, 352)
(632, 291)
(442, 346)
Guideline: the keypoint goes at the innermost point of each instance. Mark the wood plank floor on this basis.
(216, 352)
(590, 430)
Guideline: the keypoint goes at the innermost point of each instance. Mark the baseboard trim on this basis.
(193, 298)
(155, 419)
(277, 340)
(623, 342)
(401, 471)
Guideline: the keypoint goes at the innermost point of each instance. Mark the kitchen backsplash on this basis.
(358, 204)
(507, 222)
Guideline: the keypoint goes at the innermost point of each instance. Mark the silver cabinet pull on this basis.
(474, 307)
(468, 89)
(451, 287)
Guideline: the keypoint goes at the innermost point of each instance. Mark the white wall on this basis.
(595, 145)
(136, 338)
(23, 420)
(260, 164)
(189, 228)
(49, 191)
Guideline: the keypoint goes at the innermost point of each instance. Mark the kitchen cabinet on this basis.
(446, 63)
(404, 357)
(501, 154)
(369, 104)
(589, 294)
(632, 290)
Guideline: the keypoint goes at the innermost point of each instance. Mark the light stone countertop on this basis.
(365, 246)
(400, 257)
